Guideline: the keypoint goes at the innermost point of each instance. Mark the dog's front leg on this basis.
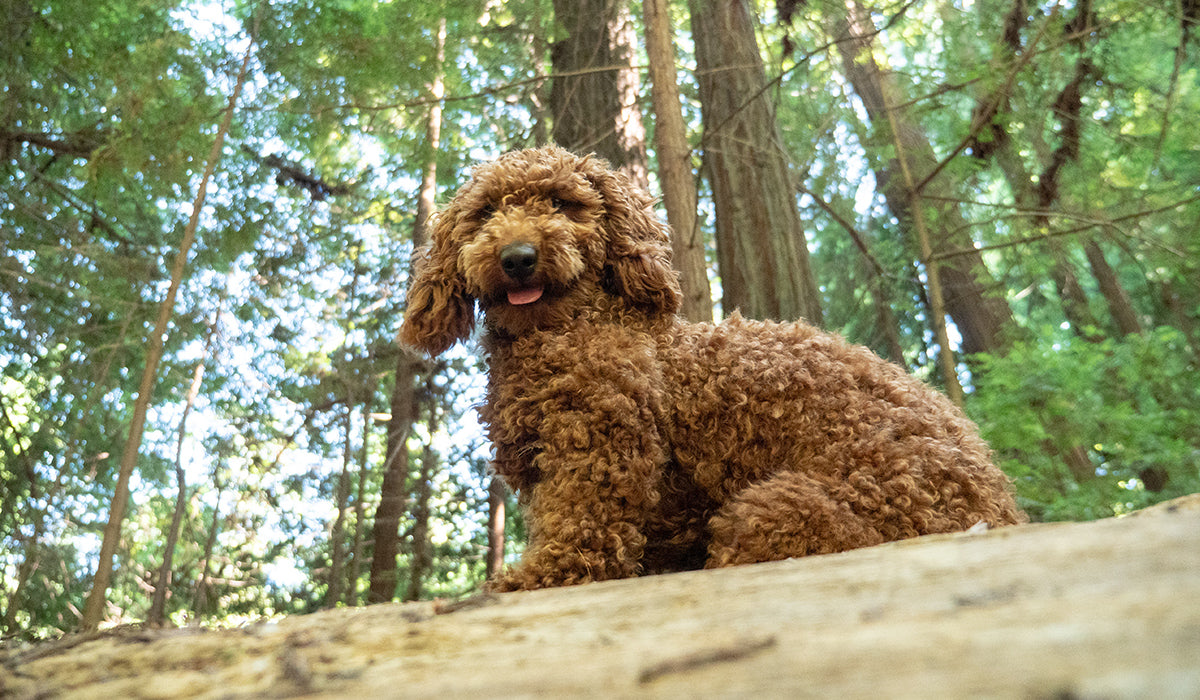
(586, 514)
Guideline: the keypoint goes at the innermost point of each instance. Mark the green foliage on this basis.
(1131, 402)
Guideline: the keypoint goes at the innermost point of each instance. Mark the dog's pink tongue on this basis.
(518, 297)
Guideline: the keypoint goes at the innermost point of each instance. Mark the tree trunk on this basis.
(200, 593)
(594, 94)
(393, 491)
(94, 609)
(158, 604)
(422, 557)
(981, 319)
(337, 535)
(1042, 198)
(1180, 315)
(1119, 305)
(1074, 300)
(675, 165)
(495, 550)
(360, 513)
(762, 254)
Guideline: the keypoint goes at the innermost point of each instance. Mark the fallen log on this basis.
(1106, 609)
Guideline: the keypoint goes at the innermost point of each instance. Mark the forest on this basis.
(208, 210)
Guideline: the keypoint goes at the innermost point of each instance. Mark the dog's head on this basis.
(536, 238)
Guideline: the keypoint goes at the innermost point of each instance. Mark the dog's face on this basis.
(537, 237)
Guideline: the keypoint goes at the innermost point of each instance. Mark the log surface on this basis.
(1107, 609)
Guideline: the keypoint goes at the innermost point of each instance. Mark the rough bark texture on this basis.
(675, 166)
(594, 94)
(762, 254)
(1106, 609)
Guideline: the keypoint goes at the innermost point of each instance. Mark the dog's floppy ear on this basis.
(638, 256)
(440, 312)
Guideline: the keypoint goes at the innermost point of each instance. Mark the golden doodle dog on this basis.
(639, 443)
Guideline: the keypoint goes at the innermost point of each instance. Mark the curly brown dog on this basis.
(639, 443)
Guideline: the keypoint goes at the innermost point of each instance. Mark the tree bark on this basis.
(675, 165)
(94, 609)
(1042, 198)
(496, 537)
(393, 495)
(762, 254)
(594, 94)
(1180, 315)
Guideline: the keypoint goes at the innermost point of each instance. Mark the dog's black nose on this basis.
(518, 260)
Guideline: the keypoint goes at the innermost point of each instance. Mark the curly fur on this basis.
(639, 443)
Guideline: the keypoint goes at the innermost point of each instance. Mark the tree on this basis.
(762, 254)
(594, 93)
(981, 318)
(393, 495)
(158, 605)
(422, 556)
(675, 166)
(94, 611)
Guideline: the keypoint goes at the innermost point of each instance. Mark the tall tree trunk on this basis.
(933, 277)
(762, 254)
(337, 535)
(1119, 305)
(422, 556)
(393, 491)
(495, 551)
(364, 471)
(158, 604)
(1180, 315)
(1071, 295)
(200, 592)
(981, 319)
(594, 94)
(675, 165)
(880, 287)
(94, 609)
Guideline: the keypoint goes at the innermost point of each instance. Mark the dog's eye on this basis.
(565, 206)
(486, 211)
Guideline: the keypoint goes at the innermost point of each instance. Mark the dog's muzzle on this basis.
(519, 261)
